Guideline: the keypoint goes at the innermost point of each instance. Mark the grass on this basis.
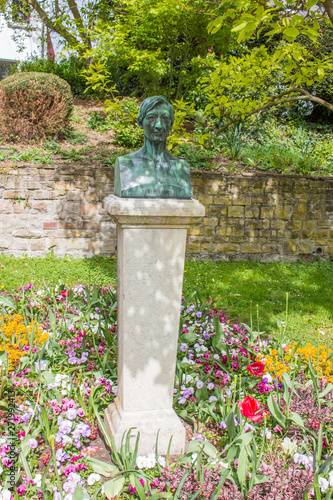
(17, 271)
(236, 287)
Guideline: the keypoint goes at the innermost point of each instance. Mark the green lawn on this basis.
(231, 286)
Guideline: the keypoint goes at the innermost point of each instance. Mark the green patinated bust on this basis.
(153, 172)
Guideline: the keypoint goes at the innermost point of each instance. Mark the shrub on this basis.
(33, 106)
(68, 69)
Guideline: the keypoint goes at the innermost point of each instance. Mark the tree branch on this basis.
(328, 6)
(306, 96)
(50, 24)
(77, 16)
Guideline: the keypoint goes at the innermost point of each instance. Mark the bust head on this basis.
(156, 118)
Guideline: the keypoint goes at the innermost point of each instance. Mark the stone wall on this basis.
(258, 216)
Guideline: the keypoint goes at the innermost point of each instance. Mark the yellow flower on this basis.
(14, 335)
(319, 356)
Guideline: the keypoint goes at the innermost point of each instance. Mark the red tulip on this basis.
(249, 409)
(256, 368)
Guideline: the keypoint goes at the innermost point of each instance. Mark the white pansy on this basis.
(187, 378)
(141, 462)
(268, 378)
(93, 478)
(323, 483)
(38, 480)
(151, 460)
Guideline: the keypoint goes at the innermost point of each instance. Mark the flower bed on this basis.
(258, 411)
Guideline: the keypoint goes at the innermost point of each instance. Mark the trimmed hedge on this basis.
(34, 105)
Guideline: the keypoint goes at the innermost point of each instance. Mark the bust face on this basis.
(156, 124)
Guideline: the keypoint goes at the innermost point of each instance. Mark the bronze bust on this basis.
(153, 172)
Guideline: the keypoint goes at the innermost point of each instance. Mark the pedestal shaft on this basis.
(151, 254)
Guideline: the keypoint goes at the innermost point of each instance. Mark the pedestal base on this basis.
(148, 423)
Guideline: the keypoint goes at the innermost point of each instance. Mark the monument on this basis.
(153, 207)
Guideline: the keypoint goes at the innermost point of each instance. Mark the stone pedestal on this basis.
(151, 239)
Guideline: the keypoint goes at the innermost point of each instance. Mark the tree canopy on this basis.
(262, 76)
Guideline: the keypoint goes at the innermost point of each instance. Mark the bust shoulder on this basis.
(127, 160)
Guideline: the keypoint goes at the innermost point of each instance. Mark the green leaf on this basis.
(113, 487)
(242, 465)
(218, 488)
(291, 33)
(208, 448)
(230, 422)
(295, 417)
(326, 466)
(103, 468)
(8, 302)
(314, 376)
(78, 493)
(244, 439)
(189, 336)
(275, 411)
(327, 389)
(185, 416)
(239, 27)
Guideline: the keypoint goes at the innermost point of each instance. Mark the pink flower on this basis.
(69, 469)
(80, 412)
(21, 489)
(7, 462)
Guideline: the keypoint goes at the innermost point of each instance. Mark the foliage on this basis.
(290, 148)
(252, 81)
(70, 70)
(34, 105)
(197, 156)
(121, 118)
(159, 47)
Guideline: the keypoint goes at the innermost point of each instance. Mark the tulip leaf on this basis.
(113, 487)
(244, 439)
(189, 336)
(242, 465)
(327, 389)
(230, 422)
(275, 411)
(197, 445)
(295, 417)
(78, 494)
(103, 468)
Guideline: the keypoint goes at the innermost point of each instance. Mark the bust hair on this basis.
(149, 104)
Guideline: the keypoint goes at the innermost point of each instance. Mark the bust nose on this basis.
(158, 123)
